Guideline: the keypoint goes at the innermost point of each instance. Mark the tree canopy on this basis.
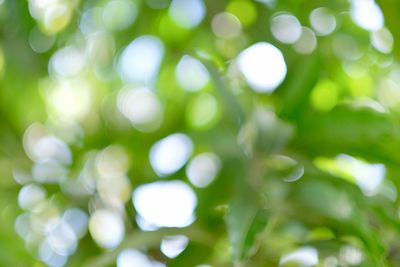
(138, 133)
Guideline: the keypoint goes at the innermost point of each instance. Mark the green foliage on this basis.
(298, 171)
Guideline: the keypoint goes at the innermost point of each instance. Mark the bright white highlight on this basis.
(51, 257)
(67, 62)
(203, 169)
(77, 220)
(142, 108)
(323, 21)
(114, 190)
(170, 154)
(226, 25)
(39, 146)
(263, 66)
(191, 74)
(113, 186)
(307, 42)
(187, 13)
(106, 228)
(382, 40)
(145, 225)
(119, 14)
(70, 99)
(30, 196)
(305, 256)
(140, 60)
(91, 21)
(367, 176)
(61, 237)
(49, 171)
(165, 204)
(135, 258)
(367, 14)
(52, 148)
(172, 246)
(113, 161)
(286, 28)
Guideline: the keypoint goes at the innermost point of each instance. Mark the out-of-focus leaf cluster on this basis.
(289, 161)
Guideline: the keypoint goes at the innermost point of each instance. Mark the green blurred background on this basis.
(140, 133)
